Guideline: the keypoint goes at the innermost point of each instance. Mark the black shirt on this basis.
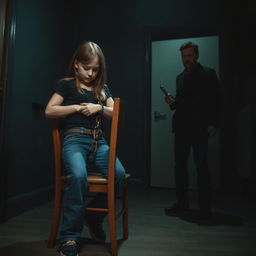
(67, 89)
(188, 111)
(197, 101)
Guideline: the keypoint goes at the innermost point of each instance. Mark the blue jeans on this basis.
(76, 152)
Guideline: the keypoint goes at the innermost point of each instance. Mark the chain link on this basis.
(96, 132)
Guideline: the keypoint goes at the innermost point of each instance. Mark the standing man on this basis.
(197, 112)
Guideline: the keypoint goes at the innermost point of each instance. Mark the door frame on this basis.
(7, 37)
(157, 34)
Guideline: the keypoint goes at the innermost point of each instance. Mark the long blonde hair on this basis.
(85, 53)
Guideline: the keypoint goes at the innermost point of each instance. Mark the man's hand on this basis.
(169, 99)
(212, 130)
(90, 108)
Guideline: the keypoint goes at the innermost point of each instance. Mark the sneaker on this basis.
(69, 248)
(177, 209)
(95, 228)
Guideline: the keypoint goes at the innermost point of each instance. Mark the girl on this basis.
(81, 100)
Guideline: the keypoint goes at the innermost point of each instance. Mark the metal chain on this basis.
(96, 132)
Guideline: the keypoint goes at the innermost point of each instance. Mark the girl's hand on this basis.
(89, 108)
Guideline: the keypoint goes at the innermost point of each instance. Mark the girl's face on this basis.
(88, 71)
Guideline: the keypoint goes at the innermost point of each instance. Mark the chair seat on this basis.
(98, 183)
(95, 178)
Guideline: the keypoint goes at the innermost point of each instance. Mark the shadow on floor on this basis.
(217, 218)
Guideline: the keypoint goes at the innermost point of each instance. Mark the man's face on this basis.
(189, 57)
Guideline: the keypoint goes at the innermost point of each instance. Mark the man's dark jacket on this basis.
(198, 100)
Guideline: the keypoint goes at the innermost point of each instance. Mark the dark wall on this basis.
(43, 36)
(236, 26)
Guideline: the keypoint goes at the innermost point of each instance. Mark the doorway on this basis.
(166, 64)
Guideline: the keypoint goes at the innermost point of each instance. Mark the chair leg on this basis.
(55, 218)
(112, 232)
(125, 214)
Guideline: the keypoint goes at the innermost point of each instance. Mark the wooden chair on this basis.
(95, 184)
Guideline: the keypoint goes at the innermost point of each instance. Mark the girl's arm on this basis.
(91, 108)
(55, 110)
(108, 110)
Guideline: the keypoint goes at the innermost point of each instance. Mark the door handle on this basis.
(158, 116)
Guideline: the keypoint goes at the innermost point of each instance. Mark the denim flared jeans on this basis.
(76, 153)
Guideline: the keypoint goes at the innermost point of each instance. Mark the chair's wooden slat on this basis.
(96, 209)
(96, 179)
(111, 175)
(94, 188)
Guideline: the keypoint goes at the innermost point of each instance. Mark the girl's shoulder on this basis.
(66, 81)
(65, 86)
(107, 91)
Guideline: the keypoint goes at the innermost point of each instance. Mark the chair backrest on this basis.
(115, 124)
(56, 137)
